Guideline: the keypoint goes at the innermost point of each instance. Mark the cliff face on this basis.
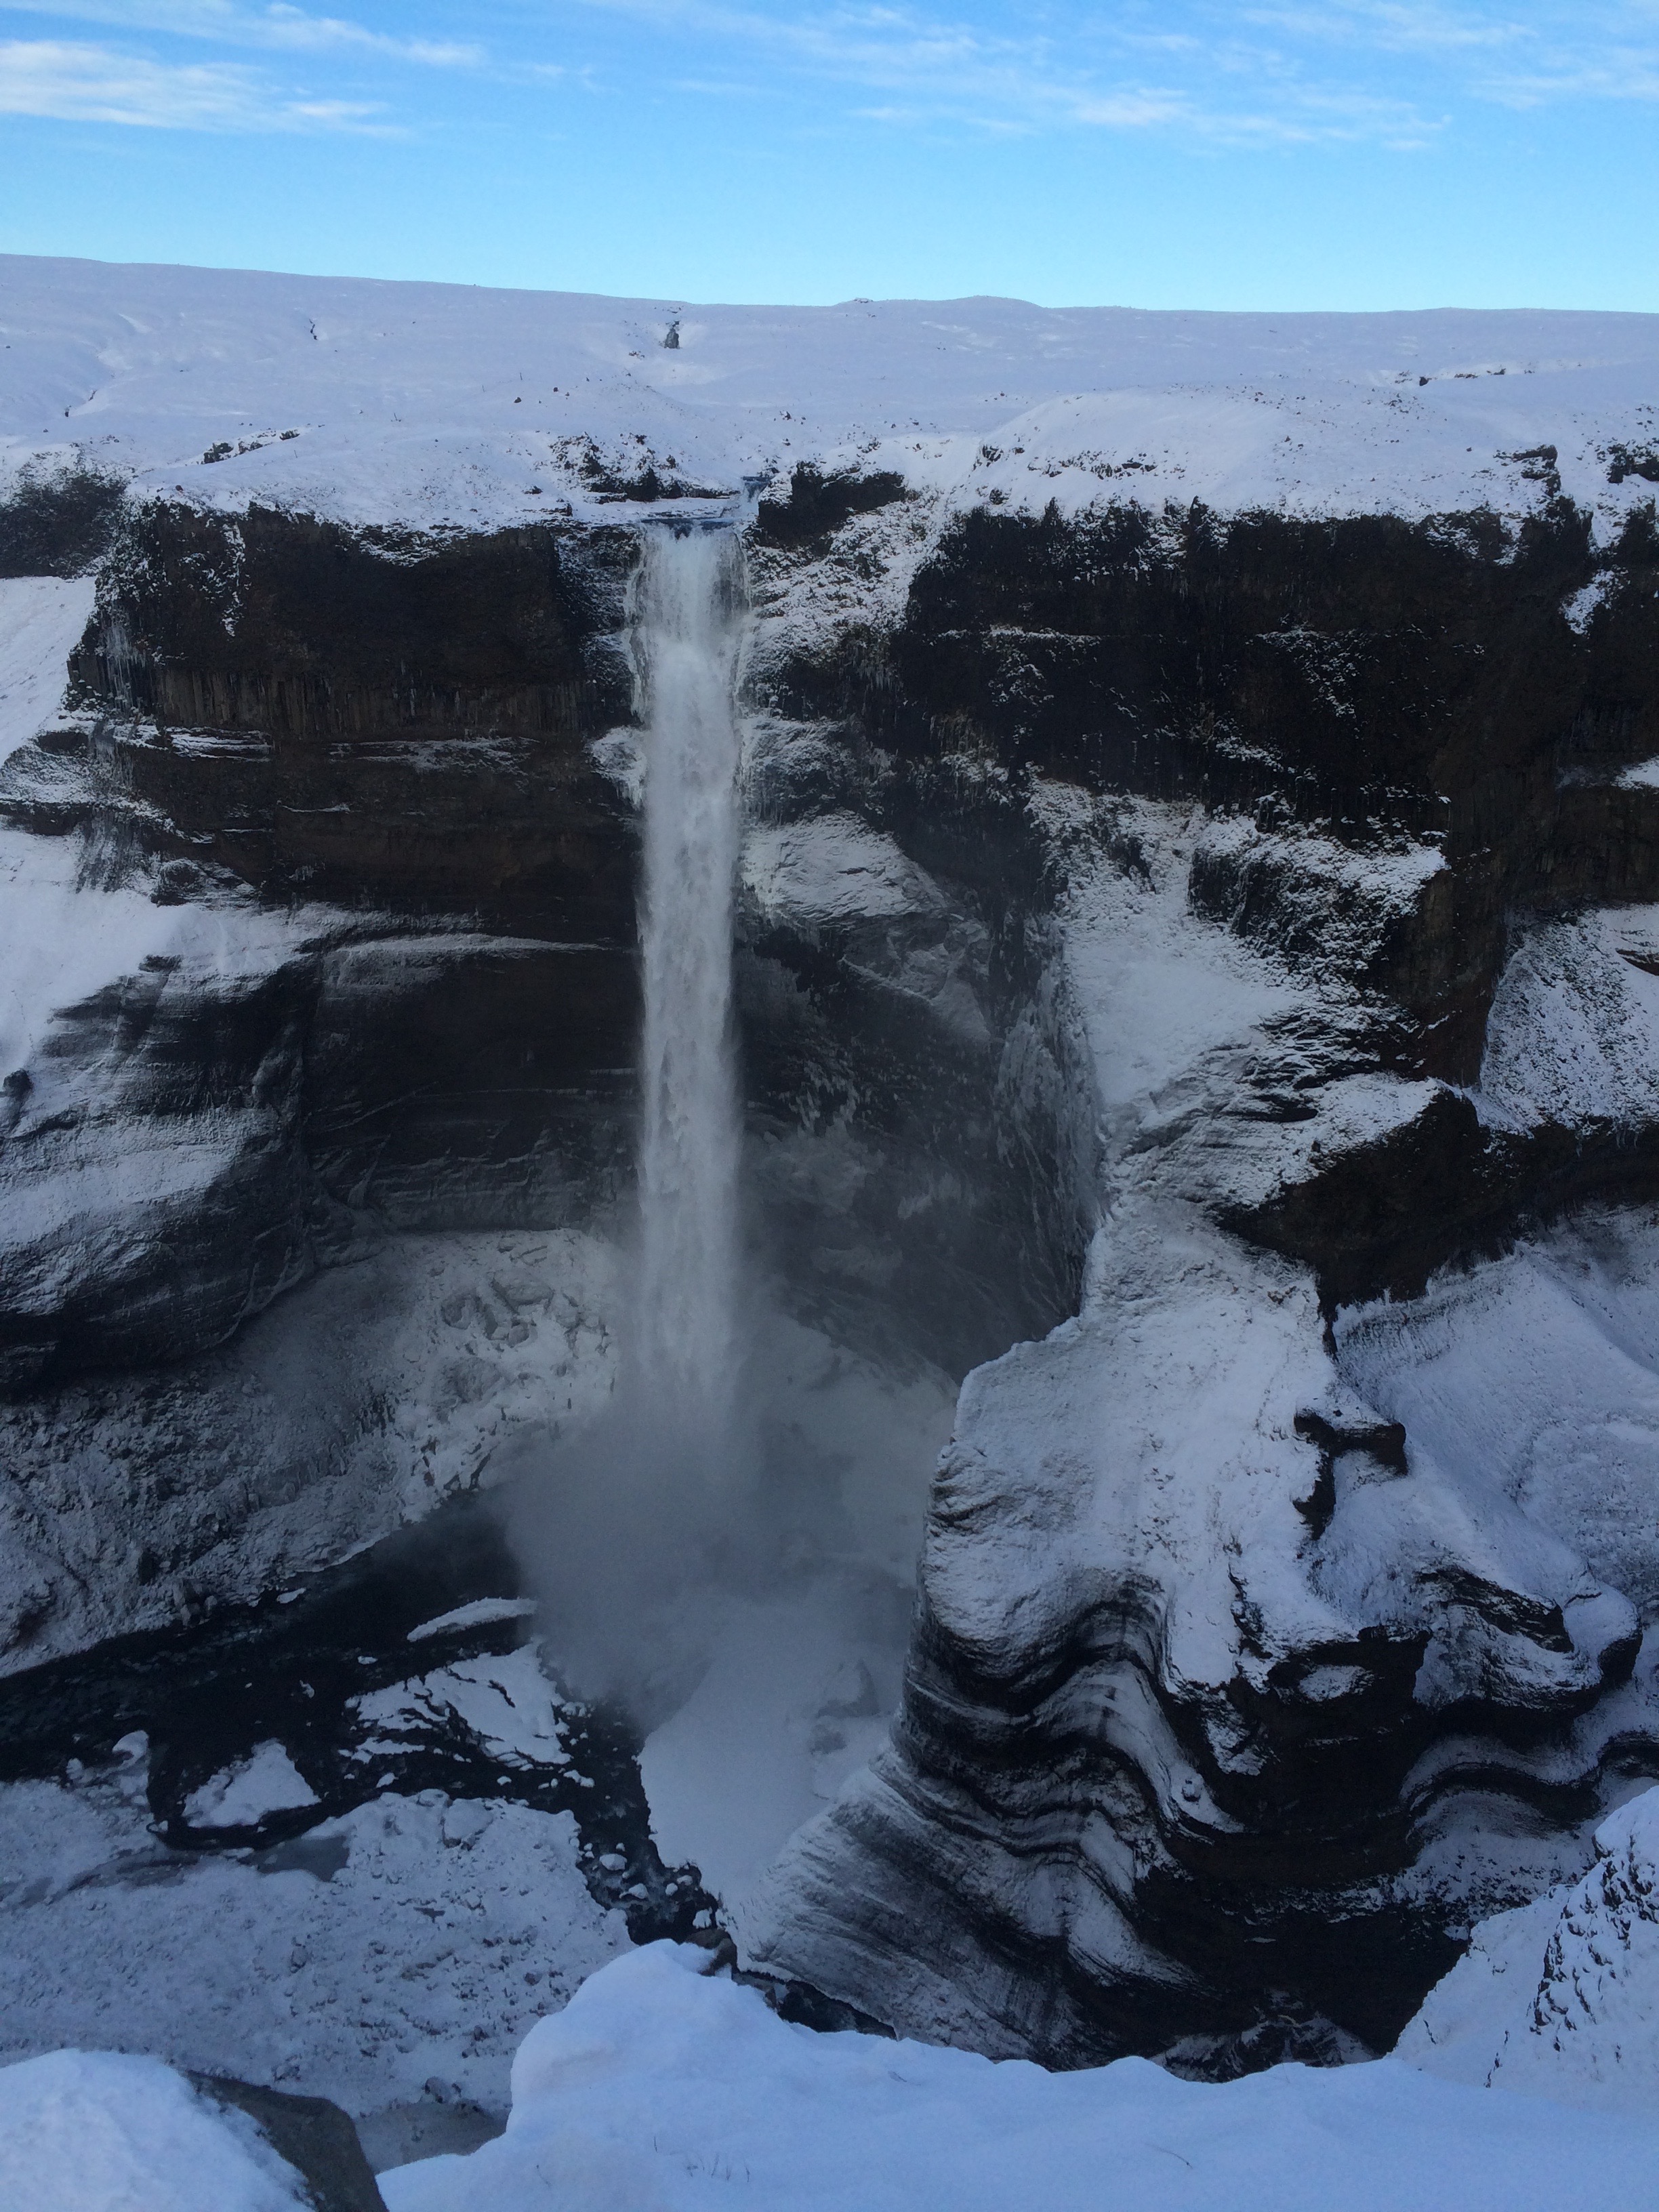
(1230, 931)
(1271, 1621)
(397, 982)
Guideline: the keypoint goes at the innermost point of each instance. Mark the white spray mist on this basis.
(687, 623)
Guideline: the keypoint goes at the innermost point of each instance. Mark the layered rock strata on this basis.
(1243, 1678)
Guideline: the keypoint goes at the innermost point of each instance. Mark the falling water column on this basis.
(686, 634)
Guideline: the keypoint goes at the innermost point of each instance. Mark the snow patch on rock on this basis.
(42, 619)
(1573, 1035)
(479, 1614)
(266, 1781)
(507, 1702)
(1534, 1378)
(1560, 1999)
(100, 2132)
(1159, 990)
(833, 868)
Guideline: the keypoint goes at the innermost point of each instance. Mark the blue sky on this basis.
(1292, 154)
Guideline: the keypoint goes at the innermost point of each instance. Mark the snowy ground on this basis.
(86, 2131)
(393, 1957)
(449, 406)
(661, 2090)
(664, 2088)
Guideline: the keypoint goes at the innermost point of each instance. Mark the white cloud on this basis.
(1270, 72)
(77, 83)
(934, 69)
(1224, 73)
(1396, 25)
(1630, 75)
(1553, 50)
(284, 29)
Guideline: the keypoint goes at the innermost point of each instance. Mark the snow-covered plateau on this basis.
(1192, 1588)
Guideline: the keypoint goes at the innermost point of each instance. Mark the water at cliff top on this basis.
(686, 633)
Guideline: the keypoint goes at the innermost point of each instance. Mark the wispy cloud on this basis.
(1100, 77)
(1420, 27)
(1548, 51)
(79, 83)
(281, 28)
(1268, 72)
(1217, 73)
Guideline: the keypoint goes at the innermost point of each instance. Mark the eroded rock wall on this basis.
(343, 827)
(1238, 1690)
(1216, 929)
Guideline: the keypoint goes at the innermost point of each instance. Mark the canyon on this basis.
(1195, 979)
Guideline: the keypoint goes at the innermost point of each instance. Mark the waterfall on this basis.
(685, 637)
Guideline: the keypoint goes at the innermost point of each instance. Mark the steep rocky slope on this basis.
(1199, 928)
(1240, 1684)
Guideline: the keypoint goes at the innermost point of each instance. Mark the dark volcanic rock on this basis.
(371, 719)
(1373, 677)
(57, 522)
(817, 505)
(192, 1143)
(278, 703)
(315, 2137)
(302, 629)
(1222, 1713)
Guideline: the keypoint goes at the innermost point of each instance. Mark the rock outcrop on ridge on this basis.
(1199, 927)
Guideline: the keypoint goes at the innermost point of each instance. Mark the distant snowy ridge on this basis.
(450, 407)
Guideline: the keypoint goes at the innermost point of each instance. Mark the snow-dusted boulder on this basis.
(90, 2131)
